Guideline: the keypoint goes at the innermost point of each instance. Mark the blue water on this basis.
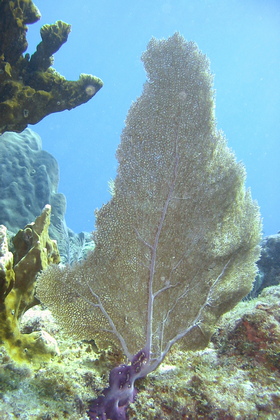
(242, 40)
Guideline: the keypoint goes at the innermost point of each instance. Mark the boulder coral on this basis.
(28, 181)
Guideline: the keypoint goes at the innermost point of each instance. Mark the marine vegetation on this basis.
(33, 252)
(176, 245)
(30, 88)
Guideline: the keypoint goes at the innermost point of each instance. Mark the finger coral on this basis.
(176, 246)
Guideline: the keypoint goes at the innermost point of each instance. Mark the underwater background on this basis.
(242, 41)
(47, 373)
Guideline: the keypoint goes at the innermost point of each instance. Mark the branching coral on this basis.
(29, 88)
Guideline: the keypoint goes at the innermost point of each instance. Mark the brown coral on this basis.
(34, 251)
(30, 89)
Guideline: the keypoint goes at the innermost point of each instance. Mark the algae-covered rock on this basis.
(236, 377)
(33, 252)
(218, 383)
(29, 88)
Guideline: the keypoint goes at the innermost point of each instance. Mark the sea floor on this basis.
(236, 377)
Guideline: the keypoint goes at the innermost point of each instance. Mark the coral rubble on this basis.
(30, 88)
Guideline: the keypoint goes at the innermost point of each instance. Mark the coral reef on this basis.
(227, 380)
(28, 181)
(268, 264)
(177, 244)
(222, 382)
(255, 335)
(33, 252)
(29, 88)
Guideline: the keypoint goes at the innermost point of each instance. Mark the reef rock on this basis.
(235, 377)
(268, 265)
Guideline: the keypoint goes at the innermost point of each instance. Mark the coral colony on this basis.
(30, 87)
(176, 246)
